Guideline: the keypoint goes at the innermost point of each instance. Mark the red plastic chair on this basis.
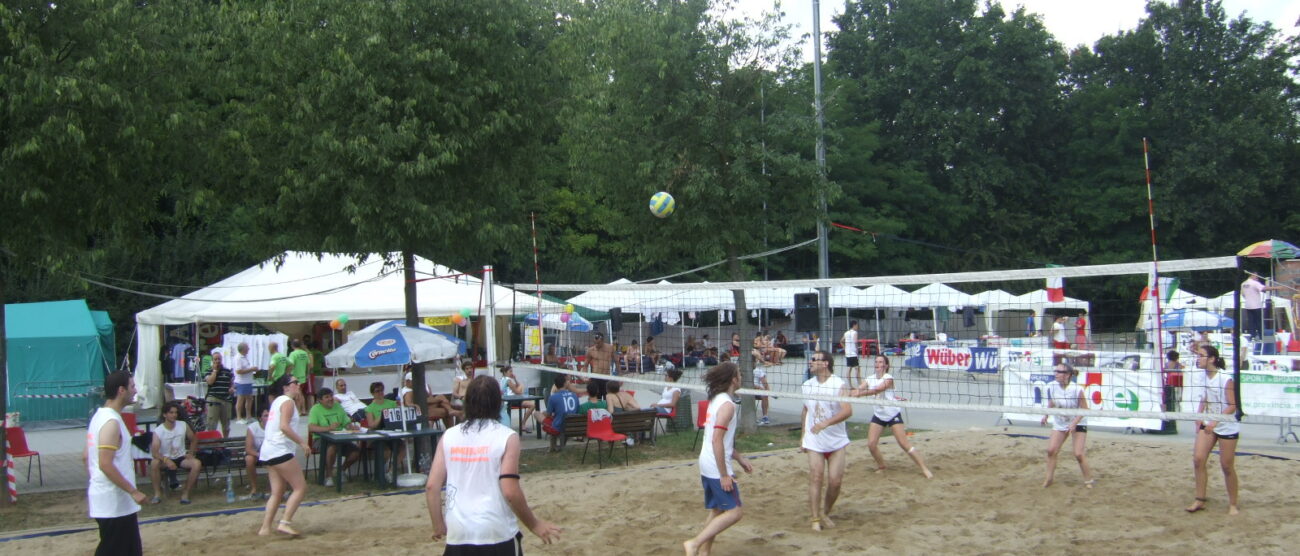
(701, 416)
(666, 420)
(209, 435)
(18, 448)
(600, 427)
(129, 420)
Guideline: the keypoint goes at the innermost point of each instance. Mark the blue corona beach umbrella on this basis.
(395, 345)
(1195, 319)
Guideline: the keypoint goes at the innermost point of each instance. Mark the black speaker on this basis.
(805, 312)
(615, 319)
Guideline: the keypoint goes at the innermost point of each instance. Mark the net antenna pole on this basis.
(823, 245)
(1155, 258)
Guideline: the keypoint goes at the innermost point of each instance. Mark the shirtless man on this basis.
(600, 356)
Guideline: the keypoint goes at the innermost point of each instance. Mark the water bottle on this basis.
(230, 490)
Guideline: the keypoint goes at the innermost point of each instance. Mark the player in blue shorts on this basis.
(721, 493)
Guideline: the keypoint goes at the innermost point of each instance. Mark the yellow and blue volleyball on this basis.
(662, 204)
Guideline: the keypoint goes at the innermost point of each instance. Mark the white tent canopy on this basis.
(307, 287)
(942, 295)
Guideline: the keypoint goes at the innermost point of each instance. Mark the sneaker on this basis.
(329, 482)
(764, 421)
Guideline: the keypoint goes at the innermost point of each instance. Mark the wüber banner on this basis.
(969, 359)
(1110, 389)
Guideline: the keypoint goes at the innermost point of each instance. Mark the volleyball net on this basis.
(970, 341)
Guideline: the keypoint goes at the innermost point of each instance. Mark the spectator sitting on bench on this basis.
(252, 447)
(618, 400)
(460, 383)
(562, 403)
(169, 453)
(594, 401)
(438, 406)
(510, 386)
(352, 405)
(328, 416)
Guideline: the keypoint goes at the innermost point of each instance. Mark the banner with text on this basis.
(1110, 389)
(1275, 394)
(969, 359)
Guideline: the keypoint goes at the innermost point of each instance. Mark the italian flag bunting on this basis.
(1055, 287)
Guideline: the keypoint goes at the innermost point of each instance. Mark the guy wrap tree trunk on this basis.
(748, 410)
(413, 320)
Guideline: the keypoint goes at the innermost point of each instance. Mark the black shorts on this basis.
(851, 361)
(1233, 436)
(897, 420)
(1081, 428)
(512, 547)
(359, 416)
(278, 460)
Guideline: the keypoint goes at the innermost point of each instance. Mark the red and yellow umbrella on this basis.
(1270, 249)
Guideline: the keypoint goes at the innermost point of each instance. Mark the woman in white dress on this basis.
(882, 384)
(1065, 393)
(824, 438)
(1218, 398)
(278, 453)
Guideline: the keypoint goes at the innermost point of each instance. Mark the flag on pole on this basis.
(1168, 286)
(1055, 286)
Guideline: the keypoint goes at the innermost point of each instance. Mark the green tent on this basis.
(59, 352)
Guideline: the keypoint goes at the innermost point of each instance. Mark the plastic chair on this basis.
(600, 427)
(129, 420)
(701, 416)
(18, 448)
(666, 420)
(209, 435)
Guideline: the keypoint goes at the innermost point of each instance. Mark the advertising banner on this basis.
(1108, 389)
(532, 340)
(1275, 394)
(968, 359)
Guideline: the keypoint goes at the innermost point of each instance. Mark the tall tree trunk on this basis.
(413, 320)
(748, 409)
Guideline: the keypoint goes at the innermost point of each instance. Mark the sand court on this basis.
(985, 498)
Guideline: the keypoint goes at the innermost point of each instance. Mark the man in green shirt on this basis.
(594, 400)
(279, 362)
(299, 363)
(328, 416)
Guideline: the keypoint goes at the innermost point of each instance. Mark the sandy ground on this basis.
(986, 498)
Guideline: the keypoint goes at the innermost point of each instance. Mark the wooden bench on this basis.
(635, 422)
(575, 427)
(234, 449)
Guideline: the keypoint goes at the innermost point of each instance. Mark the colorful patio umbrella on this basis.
(1270, 249)
(395, 345)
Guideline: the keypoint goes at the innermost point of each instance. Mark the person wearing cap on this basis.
(437, 405)
(219, 396)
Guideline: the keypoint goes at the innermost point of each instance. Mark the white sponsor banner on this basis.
(1103, 388)
(1274, 394)
(532, 340)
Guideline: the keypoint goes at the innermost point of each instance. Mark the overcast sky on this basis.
(1073, 22)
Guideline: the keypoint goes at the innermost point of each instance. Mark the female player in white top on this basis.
(277, 453)
(882, 384)
(824, 437)
(1219, 398)
(721, 493)
(1065, 393)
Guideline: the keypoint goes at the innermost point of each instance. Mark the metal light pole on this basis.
(823, 244)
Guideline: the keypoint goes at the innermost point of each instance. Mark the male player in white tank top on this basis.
(111, 496)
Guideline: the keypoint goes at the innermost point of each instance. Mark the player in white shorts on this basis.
(1065, 393)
